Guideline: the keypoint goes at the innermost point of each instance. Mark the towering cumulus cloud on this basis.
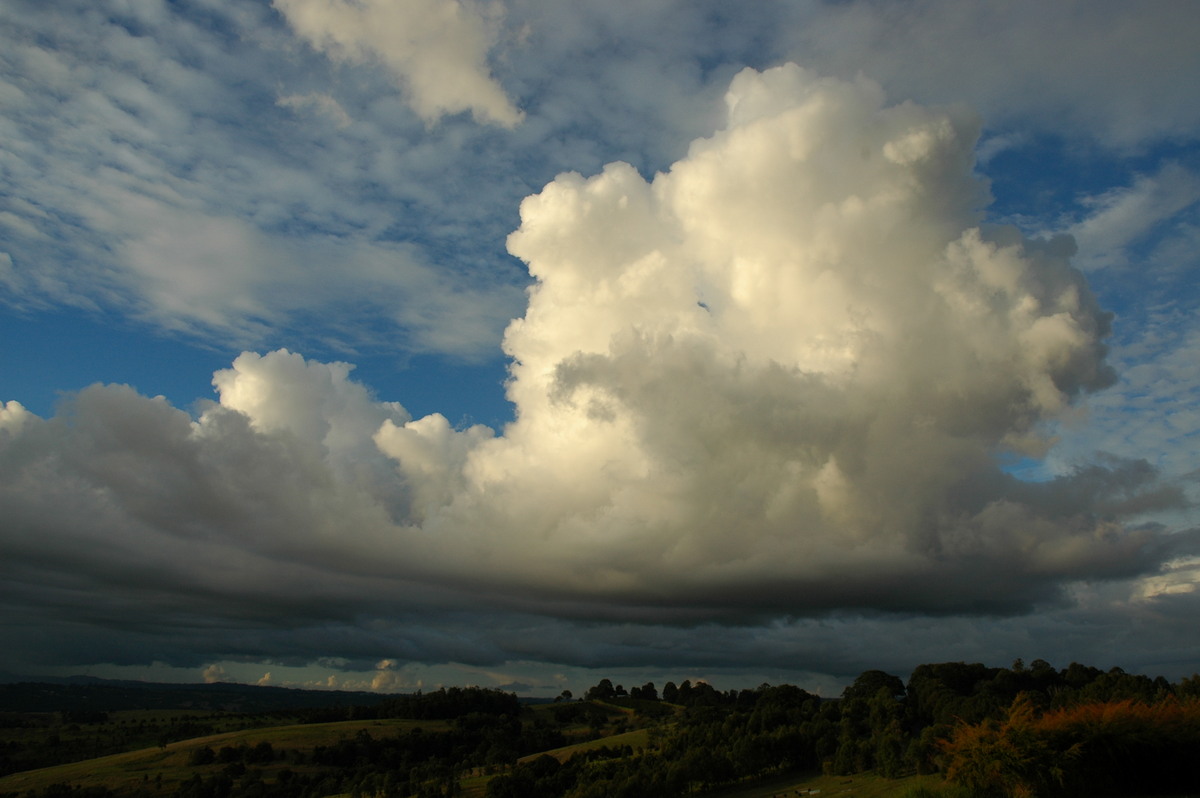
(776, 379)
(779, 376)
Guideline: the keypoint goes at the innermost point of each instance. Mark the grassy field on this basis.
(43, 739)
(167, 767)
(171, 763)
(637, 740)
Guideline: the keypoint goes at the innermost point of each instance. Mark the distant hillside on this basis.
(105, 696)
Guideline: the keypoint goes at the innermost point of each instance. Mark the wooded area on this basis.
(1018, 731)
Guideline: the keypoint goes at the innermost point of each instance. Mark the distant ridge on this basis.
(105, 695)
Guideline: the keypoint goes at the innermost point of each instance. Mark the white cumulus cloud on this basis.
(772, 381)
(790, 362)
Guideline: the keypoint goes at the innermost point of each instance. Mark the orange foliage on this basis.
(1090, 749)
(1006, 759)
(1162, 716)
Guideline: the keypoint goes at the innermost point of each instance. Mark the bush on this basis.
(202, 756)
(1105, 748)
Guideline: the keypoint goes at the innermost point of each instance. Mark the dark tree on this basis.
(603, 691)
(867, 685)
(646, 692)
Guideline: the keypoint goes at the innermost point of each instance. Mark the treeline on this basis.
(442, 704)
(714, 738)
(995, 732)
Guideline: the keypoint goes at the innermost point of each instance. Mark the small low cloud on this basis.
(395, 678)
(214, 674)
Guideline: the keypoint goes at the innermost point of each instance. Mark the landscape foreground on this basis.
(953, 730)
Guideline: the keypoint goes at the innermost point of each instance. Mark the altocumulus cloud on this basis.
(174, 145)
(437, 50)
(775, 380)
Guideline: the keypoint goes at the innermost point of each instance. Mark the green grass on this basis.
(125, 771)
(45, 739)
(474, 786)
(636, 739)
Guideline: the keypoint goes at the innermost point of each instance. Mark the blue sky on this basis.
(403, 342)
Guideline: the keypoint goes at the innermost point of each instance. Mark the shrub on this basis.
(1103, 748)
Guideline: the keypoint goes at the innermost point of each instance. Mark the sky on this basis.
(389, 344)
